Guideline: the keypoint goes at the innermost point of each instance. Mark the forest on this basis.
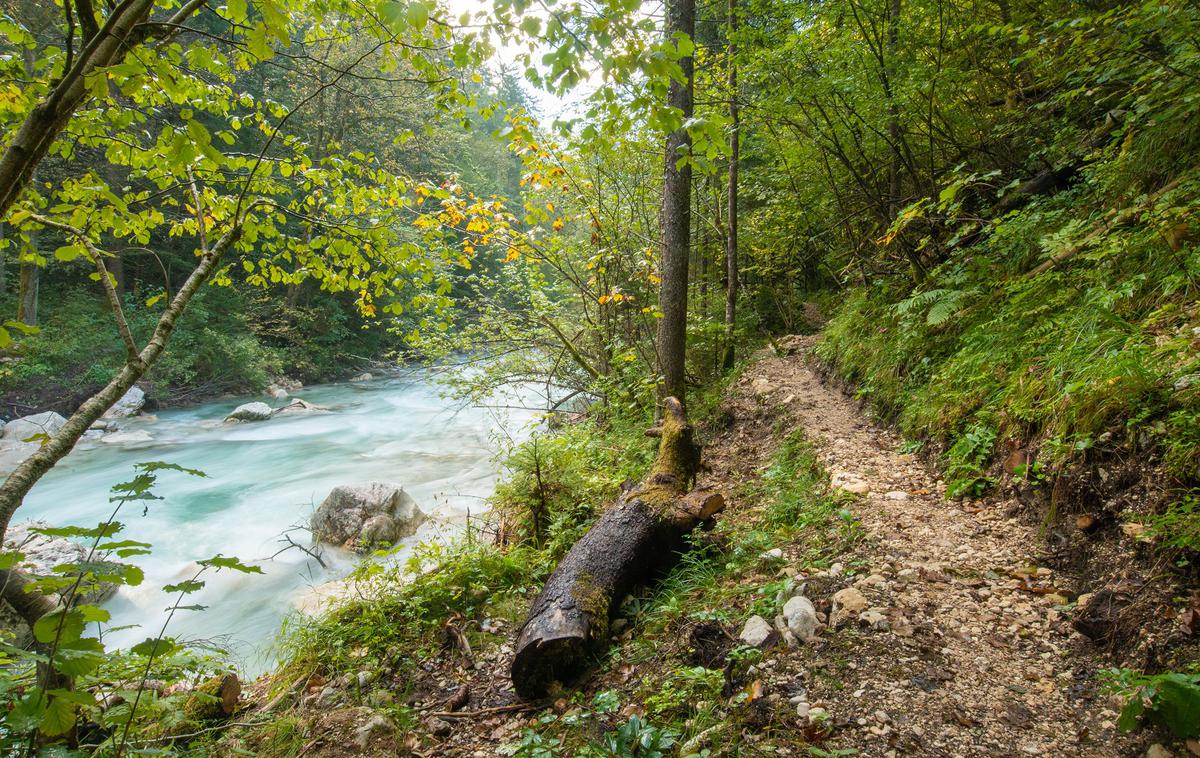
(599, 378)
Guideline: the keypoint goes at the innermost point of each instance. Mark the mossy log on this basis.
(637, 536)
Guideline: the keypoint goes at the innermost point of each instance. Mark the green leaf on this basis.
(47, 628)
(1177, 704)
(187, 587)
(26, 714)
(235, 11)
(68, 253)
(219, 562)
(155, 647)
(58, 718)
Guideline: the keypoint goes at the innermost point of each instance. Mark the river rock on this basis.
(127, 438)
(276, 392)
(801, 617)
(363, 377)
(22, 429)
(297, 405)
(43, 553)
(350, 515)
(12, 452)
(256, 411)
(287, 384)
(129, 404)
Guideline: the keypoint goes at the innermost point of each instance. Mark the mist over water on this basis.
(264, 478)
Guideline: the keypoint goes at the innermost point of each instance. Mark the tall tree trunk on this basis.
(3, 262)
(893, 122)
(27, 294)
(731, 211)
(676, 215)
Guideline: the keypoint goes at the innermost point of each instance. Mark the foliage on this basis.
(1178, 526)
(1171, 700)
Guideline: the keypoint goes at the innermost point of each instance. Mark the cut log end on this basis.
(539, 666)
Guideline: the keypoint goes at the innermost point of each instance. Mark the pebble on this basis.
(847, 602)
(378, 724)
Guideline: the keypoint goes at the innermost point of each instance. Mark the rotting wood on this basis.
(636, 537)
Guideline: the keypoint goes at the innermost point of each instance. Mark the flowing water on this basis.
(264, 478)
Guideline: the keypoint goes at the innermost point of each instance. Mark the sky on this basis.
(549, 105)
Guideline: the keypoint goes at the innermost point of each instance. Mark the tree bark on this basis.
(637, 537)
(30, 275)
(731, 236)
(676, 215)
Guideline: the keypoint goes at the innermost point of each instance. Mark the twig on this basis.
(483, 711)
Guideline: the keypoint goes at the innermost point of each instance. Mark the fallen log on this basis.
(636, 537)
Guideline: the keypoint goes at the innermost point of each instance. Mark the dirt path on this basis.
(975, 656)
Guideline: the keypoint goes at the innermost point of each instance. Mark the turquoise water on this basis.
(265, 478)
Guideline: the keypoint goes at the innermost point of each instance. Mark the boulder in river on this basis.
(129, 404)
(298, 405)
(256, 411)
(128, 438)
(22, 429)
(364, 516)
(363, 377)
(12, 452)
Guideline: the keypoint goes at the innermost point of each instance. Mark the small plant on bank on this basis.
(1170, 700)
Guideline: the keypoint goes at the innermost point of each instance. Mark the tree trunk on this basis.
(731, 236)
(893, 121)
(27, 294)
(637, 537)
(676, 215)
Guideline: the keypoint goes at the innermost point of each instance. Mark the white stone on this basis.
(896, 495)
(801, 617)
(129, 404)
(756, 632)
(13, 452)
(774, 553)
(847, 603)
(127, 438)
(848, 482)
(255, 411)
(875, 620)
(298, 405)
(22, 429)
(363, 377)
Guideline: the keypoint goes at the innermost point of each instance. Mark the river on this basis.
(262, 479)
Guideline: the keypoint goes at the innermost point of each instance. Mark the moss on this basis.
(594, 601)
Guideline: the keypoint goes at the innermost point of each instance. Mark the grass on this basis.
(1053, 362)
